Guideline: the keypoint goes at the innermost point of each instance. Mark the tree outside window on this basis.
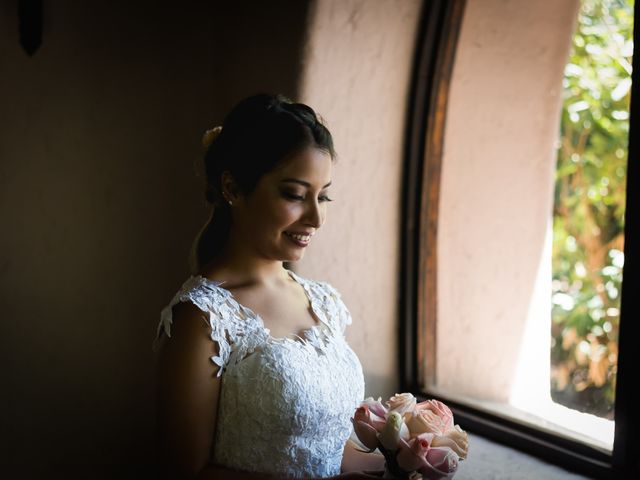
(588, 229)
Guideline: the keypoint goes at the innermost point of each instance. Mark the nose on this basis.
(314, 215)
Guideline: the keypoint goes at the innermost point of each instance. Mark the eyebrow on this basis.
(301, 182)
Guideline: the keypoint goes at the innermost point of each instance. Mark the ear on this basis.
(230, 189)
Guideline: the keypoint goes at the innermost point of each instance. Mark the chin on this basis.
(293, 257)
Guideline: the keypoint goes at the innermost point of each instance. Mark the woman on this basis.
(255, 378)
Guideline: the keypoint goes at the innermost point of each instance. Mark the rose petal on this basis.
(362, 414)
(401, 403)
(426, 437)
(456, 439)
(443, 460)
(366, 434)
(440, 410)
(424, 421)
(376, 407)
(411, 456)
(428, 472)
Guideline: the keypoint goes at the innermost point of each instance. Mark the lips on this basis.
(301, 239)
(304, 236)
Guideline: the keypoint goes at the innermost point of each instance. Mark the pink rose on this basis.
(441, 462)
(456, 439)
(423, 422)
(365, 431)
(402, 403)
(369, 417)
(411, 455)
(431, 416)
(376, 407)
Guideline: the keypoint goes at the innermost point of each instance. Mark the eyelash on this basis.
(323, 198)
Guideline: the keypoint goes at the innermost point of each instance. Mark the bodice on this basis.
(285, 403)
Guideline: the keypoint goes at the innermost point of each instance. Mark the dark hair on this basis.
(258, 134)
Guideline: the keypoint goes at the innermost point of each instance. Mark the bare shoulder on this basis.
(190, 332)
(187, 318)
(187, 392)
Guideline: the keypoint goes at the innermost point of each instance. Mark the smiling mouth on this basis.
(301, 240)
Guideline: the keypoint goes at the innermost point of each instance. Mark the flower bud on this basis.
(393, 430)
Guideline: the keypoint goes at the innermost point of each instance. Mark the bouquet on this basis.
(418, 440)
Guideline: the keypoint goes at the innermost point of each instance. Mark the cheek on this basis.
(279, 217)
(288, 214)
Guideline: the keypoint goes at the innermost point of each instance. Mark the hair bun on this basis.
(210, 135)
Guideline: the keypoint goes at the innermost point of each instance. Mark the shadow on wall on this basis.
(98, 144)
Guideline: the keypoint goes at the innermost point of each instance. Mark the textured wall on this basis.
(494, 269)
(356, 73)
(100, 133)
(98, 138)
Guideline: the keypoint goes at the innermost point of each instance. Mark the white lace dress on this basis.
(285, 403)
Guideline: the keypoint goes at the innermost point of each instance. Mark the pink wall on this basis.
(99, 139)
(494, 265)
(356, 73)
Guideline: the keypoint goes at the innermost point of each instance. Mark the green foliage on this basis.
(589, 207)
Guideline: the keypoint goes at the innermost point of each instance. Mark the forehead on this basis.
(311, 164)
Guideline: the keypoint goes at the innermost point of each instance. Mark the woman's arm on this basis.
(187, 395)
(188, 392)
(354, 460)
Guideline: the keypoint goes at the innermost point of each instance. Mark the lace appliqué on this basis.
(331, 304)
(229, 325)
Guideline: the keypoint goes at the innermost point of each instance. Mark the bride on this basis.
(255, 379)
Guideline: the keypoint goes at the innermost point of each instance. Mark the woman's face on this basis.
(288, 202)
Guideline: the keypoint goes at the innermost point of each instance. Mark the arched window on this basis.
(482, 277)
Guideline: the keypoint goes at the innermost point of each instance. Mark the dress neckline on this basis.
(250, 313)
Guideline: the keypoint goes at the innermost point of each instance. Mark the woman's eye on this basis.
(292, 196)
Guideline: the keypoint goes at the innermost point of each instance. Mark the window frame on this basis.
(433, 62)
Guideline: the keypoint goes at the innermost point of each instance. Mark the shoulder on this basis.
(320, 288)
(202, 298)
(196, 291)
(200, 291)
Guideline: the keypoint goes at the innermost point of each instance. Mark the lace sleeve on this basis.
(342, 314)
(236, 333)
(220, 319)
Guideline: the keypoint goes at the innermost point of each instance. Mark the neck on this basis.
(238, 264)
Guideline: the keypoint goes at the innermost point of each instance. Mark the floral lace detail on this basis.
(331, 303)
(285, 404)
(229, 324)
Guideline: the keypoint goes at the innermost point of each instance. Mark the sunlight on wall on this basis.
(495, 224)
(531, 385)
